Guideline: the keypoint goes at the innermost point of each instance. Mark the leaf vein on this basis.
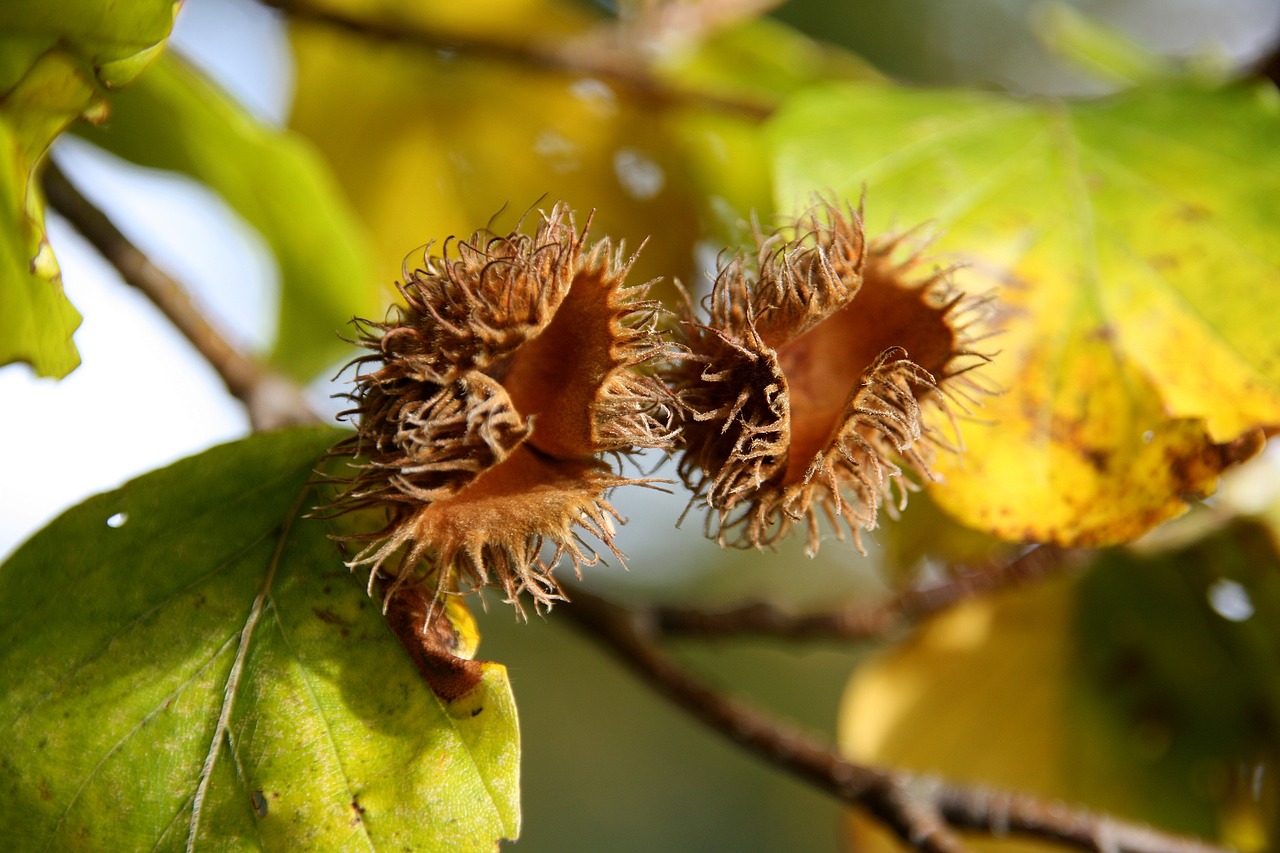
(124, 738)
(237, 670)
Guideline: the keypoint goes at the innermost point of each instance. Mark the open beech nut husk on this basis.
(486, 402)
(805, 387)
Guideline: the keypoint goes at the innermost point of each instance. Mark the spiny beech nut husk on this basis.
(486, 402)
(805, 386)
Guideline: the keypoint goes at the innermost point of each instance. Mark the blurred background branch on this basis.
(923, 812)
(271, 399)
(611, 53)
(859, 621)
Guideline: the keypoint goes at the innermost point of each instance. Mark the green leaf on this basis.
(192, 639)
(174, 119)
(115, 39)
(1135, 251)
(55, 57)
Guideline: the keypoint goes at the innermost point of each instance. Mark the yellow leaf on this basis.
(1136, 260)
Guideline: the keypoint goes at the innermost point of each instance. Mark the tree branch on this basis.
(272, 400)
(922, 811)
(860, 621)
(631, 634)
(998, 812)
(580, 58)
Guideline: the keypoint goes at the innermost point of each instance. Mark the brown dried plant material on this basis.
(805, 387)
(485, 404)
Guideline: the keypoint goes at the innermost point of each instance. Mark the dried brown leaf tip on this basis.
(805, 387)
(486, 402)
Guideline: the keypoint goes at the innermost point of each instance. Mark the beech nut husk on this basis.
(488, 404)
(806, 386)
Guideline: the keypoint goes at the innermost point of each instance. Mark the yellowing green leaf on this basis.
(1137, 255)
(38, 320)
(55, 57)
(193, 629)
(1145, 688)
(174, 119)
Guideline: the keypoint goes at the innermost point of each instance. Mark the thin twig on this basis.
(996, 812)
(924, 812)
(272, 400)
(579, 58)
(860, 621)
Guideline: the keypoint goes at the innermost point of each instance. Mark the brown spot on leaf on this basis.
(42, 789)
(1106, 333)
(1191, 472)
(431, 646)
(1097, 458)
(1243, 448)
(327, 616)
(1194, 212)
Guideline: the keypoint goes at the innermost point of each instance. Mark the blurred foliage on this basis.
(428, 146)
(174, 119)
(1148, 687)
(1133, 256)
(609, 765)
